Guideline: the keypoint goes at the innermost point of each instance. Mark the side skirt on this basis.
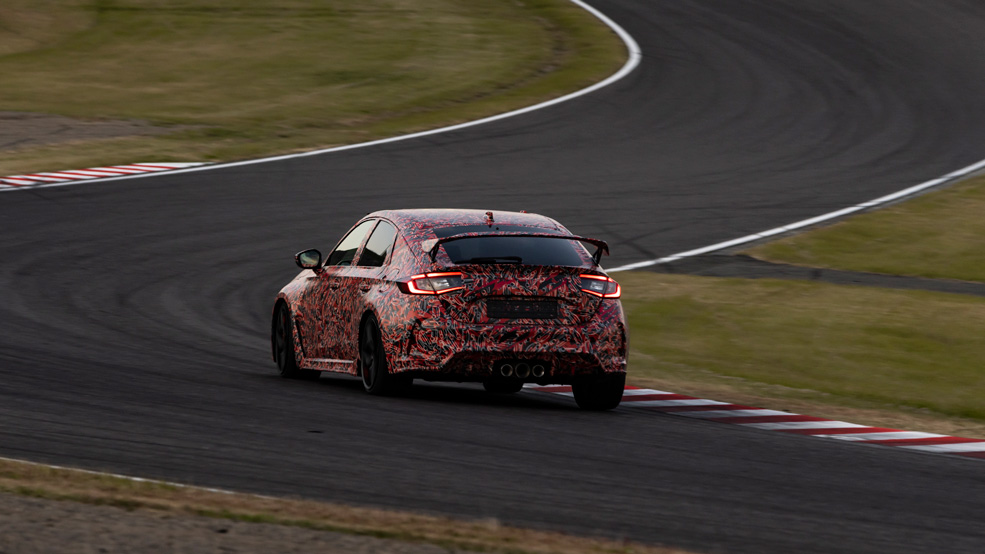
(349, 367)
(327, 364)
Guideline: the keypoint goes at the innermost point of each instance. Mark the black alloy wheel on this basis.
(377, 380)
(283, 345)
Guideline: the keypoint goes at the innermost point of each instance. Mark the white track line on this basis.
(634, 57)
(715, 414)
(948, 448)
(671, 403)
(135, 479)
(802, 425)
(885, 435)
(881, 201)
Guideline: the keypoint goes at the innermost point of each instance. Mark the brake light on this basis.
(600, 285)
(435, 283)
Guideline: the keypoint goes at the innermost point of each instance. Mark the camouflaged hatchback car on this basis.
(500, 298)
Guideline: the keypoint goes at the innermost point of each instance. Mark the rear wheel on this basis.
(283, 344)
(599, 393)
(377, 379)
(502, 387)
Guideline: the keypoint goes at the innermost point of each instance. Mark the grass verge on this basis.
(881, 357)
(484, 536)
(937, 235)
(239, 79)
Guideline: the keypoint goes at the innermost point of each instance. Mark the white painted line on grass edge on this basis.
(881, 201)
(131, 478)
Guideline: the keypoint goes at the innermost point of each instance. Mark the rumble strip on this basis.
(35, 179)
(786, 422)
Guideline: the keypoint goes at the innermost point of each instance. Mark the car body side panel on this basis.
(363, 288)
(335, 308)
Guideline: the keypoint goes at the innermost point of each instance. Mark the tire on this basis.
(376, 377)
(502, 387)
(599, 393)
(282, 340)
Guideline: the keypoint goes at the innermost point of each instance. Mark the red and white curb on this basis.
(69, 175)
(786, 422)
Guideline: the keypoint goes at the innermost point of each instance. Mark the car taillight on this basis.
(435, 283)
(600, 285)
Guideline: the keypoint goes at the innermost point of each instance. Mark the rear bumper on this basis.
(440, 350)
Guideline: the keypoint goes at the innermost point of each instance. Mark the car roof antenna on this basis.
(489, 219)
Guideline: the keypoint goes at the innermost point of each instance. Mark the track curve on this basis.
(135, 313)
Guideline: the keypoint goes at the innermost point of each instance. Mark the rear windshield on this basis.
(525, 250)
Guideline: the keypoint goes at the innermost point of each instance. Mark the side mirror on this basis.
(308, 259)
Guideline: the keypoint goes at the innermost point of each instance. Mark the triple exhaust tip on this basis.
(522, 370)
(506, 370)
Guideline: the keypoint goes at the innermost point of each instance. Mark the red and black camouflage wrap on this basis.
(451, 336)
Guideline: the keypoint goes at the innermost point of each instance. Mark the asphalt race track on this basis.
(134, 315)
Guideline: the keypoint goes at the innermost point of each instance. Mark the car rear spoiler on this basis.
(430, 246)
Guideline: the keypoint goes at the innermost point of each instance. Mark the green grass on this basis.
(899, 352)
(895, 352)
(243, 78)
(937, 235)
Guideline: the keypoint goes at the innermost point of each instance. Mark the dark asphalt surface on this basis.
(134, 315)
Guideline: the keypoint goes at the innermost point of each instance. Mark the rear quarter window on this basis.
(378, 246)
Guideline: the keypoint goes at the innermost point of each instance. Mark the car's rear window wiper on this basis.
(492, 260)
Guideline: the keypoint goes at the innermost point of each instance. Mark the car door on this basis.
(361, 283)
(336, 291)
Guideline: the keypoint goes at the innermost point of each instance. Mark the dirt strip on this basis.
(24, 129)
(54, 527)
